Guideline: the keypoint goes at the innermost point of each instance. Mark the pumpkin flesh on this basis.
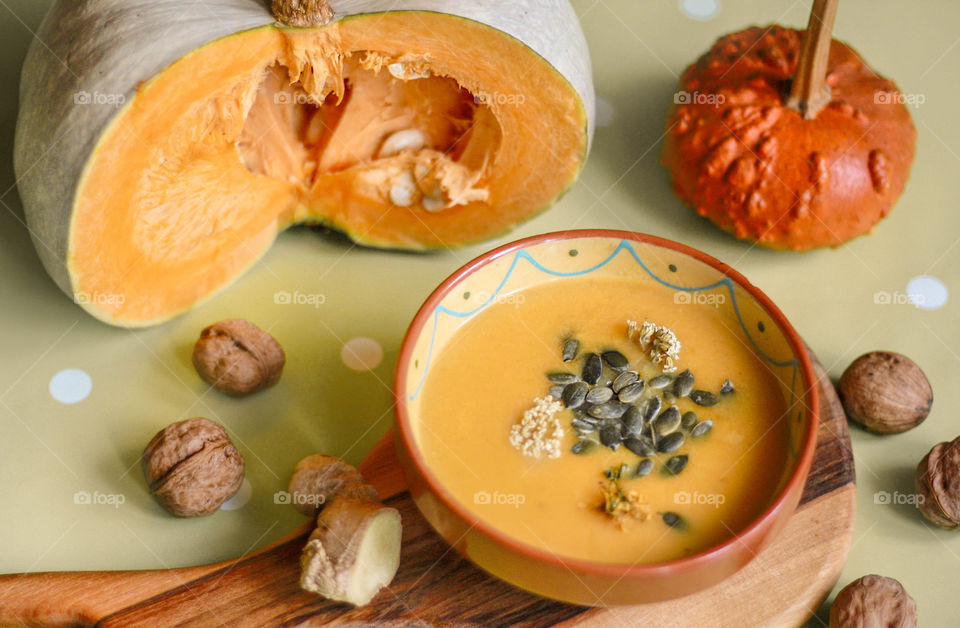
(273, 127)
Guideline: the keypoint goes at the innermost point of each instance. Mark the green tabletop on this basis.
(57, 456)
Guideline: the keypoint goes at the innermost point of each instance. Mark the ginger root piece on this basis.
(355, 549)
(354, 552)
(317, 479)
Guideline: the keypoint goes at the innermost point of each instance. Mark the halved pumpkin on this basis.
(162, 145)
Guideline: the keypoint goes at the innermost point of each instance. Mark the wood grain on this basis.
(436, 586)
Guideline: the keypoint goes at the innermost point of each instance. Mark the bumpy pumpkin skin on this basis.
(114, 48)
(761, 171)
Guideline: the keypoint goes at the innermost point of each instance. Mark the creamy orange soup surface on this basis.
(495, 365)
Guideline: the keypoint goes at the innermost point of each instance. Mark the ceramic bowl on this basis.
(553, 257)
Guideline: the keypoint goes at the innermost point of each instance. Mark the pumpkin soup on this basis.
(604, 419)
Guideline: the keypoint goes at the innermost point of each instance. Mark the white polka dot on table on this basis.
(927, 292)
(606, 114)
(70, 386)
(361, 354)
(240, 498)
(700, 9)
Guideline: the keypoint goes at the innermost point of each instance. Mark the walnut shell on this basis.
(873, 601)
(885, 392)
(944, 480)
(318, 478)
(237, 357)
(191, 467)
(927, 502)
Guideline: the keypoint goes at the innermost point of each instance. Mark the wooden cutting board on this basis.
(782, 586)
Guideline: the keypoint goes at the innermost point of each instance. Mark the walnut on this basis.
(192, 467)
(873, 601)
(885, 392)
(317, 479)
(237, 357)
(938, 485)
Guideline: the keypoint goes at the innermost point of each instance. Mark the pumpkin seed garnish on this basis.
(610, 436)
(640, 446)
(562, 377)
(660, 381)
(583, 426)
(599, 394)
(644, 467)
(632, 422)
(592, 368)
(652, 407)
(574, 394)
(702, 428)
(583, 446)
(671, 442)
(612, 409)
(667, 422)
(676, 464)
(615, 360)
(631, 393)
(570, 349)
(624, 379)
(703, 398)
(683, 384)
(673, 520)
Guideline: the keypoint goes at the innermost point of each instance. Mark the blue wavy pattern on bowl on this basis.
(625, 246)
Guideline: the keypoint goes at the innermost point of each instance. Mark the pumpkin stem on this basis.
(302, 13)
(809, 93)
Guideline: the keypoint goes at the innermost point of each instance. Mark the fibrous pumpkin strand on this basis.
(302, 13)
